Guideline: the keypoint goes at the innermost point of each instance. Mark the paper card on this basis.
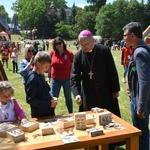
(69, 138)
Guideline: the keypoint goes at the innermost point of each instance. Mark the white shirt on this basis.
(7, 112)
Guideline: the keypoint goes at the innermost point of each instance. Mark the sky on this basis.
(8, 4)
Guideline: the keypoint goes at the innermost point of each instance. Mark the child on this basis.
(37, 93)
(5, 54)
(10, 110)
(14, 56)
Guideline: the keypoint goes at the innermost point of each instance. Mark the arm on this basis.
(25, 66)
(75, 79)
(142, 61)
(122, 56)
(34, 98)
(19, 112)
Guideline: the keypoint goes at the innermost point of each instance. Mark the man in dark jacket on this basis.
(139, 81)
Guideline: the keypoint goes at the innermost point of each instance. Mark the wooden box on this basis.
(89, 119)
(80, 120)
(94, 132)
(29, 126)
(6, 127)
(97, 110)
(66, 123)
(103, 118)
(15, 135)
(47, 129)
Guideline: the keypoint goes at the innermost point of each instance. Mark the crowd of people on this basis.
(91, 76)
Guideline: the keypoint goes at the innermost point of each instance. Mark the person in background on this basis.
(5, 55)
(94, 78)
(26, 64)
(125, 58)
(42, 43)
(60, 71)
(47, 45)
(42, 104)
(122, 42)
(10, 110)
(14, 57)
(139, 81)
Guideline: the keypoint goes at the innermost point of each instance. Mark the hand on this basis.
(78, 99)
(115, 95)
(128, 92)
(24, 120)
(54, 102)
(140, 115)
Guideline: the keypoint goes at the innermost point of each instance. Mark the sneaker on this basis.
(124, 80)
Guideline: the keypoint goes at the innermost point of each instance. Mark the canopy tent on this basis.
(3, 24)
(3, 33)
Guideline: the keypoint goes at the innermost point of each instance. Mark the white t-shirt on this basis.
(7, 112)
(14, 56)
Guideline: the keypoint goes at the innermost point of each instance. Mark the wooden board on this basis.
(3, 76)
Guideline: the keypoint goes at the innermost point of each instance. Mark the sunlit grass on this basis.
(61, 108)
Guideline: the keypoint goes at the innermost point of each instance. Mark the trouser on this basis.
(55, 90)
(141, 124)
(15, 66)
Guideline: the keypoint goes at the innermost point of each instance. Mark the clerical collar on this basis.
(90, 51)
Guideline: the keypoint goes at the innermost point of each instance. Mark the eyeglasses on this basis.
(29, 50)
(126, 34)
(59, 43)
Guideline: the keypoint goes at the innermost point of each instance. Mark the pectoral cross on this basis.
(91, 74)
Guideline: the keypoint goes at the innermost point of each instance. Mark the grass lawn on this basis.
(17, 83)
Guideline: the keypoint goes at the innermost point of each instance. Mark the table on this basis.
(128, 133)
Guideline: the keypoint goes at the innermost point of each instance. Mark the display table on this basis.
(35, 140)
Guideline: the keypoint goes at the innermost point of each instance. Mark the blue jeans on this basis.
(125, 71)
(141, 124)
(55, 90)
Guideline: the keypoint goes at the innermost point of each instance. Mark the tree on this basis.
(96, 4)
(104, 21)
(4, 13)
(42, 14)
(85, 20)
(64, 31)
(146, 15)
(112, 18)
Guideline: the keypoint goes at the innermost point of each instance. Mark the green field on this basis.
(17, 83)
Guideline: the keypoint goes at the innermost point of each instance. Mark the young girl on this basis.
(14, 57)
(10, 110)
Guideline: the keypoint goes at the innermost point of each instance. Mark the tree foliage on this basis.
(4, 13)
(53, 17)
(65, 31)
(42, 14)
(85, 20)
(112, 17)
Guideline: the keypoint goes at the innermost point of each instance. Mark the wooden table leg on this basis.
(132, 143)
(100, 147)
(103, 147)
